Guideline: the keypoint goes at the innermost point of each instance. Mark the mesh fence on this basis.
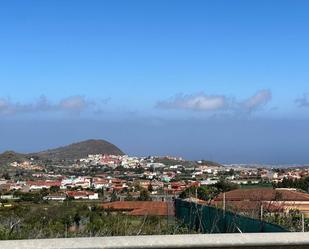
(207, 219)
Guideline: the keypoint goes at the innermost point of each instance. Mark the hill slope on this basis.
(80, 150)
(11, 156)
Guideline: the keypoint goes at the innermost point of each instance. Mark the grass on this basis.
(260, 185)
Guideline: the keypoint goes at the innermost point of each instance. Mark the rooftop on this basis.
(263, 194)
(140, 208)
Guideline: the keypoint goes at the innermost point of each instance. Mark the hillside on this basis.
(211, 163)
(80, 150)
(11, 156)
(168, 161)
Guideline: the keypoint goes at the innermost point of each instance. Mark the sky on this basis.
(220, 80)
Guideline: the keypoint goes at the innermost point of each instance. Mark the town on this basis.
(109, 178)
(88, 178)
(92, 188)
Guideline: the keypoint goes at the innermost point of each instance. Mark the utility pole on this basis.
(167, 217)
(224, 205)
(262, 211)
(303, 222)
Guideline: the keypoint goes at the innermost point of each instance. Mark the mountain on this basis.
(11, 156)
(80, 150)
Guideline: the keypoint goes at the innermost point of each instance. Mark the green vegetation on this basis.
(66, 153)
(72, 219)
(203, 193)
(144, 195)
(302, 183)
(114, 197)
(258, 185)
(291, 220)
(208, 192)
(225, 186)
(210, 163)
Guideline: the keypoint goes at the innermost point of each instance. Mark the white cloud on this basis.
(74, 104)
(199, 102)
(3, 104)
(203, 102)
(7, 107)
(258, 100)
(301, 102)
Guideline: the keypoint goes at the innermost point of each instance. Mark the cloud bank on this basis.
(72, 104)
(206, 103)
(201, 102)
(303, 101)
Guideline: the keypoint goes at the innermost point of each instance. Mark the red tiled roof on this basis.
(252, 206)
(263, 194)
(100, 181)
(44, 183)
(140, 208)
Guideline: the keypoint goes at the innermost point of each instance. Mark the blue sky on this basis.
(183, 72)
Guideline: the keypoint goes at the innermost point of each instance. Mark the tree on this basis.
(137, 186)
(77, 219)
(6, 176)
(302, 183)
(129, 197)
(203, 193)
(225, 186)
(150, 188)
(144, 195)
(114, 196)
(54, 189)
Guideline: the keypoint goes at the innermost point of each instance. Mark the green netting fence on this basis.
(207, 219)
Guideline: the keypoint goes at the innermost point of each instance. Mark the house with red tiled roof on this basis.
(273, 200)
(99, 183)
(178, 187)
(265, 194)
(118, 184)
(156, 184)
(38, 185)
